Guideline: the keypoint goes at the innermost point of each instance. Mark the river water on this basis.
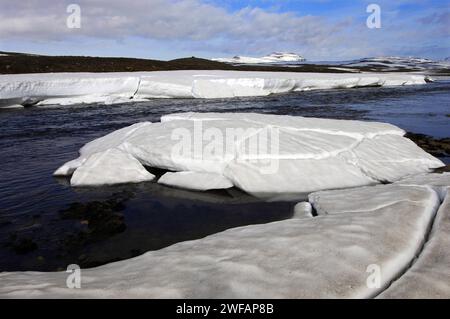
(46, 225)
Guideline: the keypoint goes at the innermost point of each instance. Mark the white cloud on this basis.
(192, 24)
(162, 19)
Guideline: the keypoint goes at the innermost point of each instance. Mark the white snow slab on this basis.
(371, 155)
(108, 88)
(368, 198)
(195, 181)
(350, 128)
(293, 178)
(429, 277)
(439, 182)
(112, 166)
(432, 179)
(113, 140)
(321, 257)
(269, 155)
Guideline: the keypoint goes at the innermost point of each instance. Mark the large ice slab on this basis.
(108, 88)
(429, 277)
(321, 257)
(366, 198)
(439, 182)
(268, 155)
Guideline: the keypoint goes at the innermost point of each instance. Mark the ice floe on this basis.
(109, 88)
(429, 276)
(439, 182)
(330, 256)
(264, 155)
(112, 166)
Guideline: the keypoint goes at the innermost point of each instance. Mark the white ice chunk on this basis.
(350, 128)
(439, 182)
(429, 276)
(270, 155)
(364, 199)
(404, 157)
(195, 181)
(113, 139)
(68, 168)
(302, 210)
(432, 179)
(294, 178)
(112, 166)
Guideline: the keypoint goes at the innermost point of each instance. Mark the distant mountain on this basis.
(275, 57)
(396, 64)
(15, 63)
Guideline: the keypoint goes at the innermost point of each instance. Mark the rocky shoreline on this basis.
(435, 146)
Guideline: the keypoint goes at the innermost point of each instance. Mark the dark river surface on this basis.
(46, 225)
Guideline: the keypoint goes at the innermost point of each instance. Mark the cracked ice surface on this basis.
(429, 277)
(120, 87)
(302, 155)
(321, 257)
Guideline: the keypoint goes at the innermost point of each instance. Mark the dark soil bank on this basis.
(435, 146)
(15, 63)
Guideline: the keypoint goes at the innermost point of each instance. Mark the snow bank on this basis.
(321, 257)
(265, 155)
(108, 88)
(66, 88)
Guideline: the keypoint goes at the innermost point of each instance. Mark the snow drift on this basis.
(264, 155)
(108, 88)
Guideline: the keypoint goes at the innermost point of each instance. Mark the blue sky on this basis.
(166, 29)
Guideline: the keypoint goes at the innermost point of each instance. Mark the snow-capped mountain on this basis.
(275, 57)
(395, 63)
